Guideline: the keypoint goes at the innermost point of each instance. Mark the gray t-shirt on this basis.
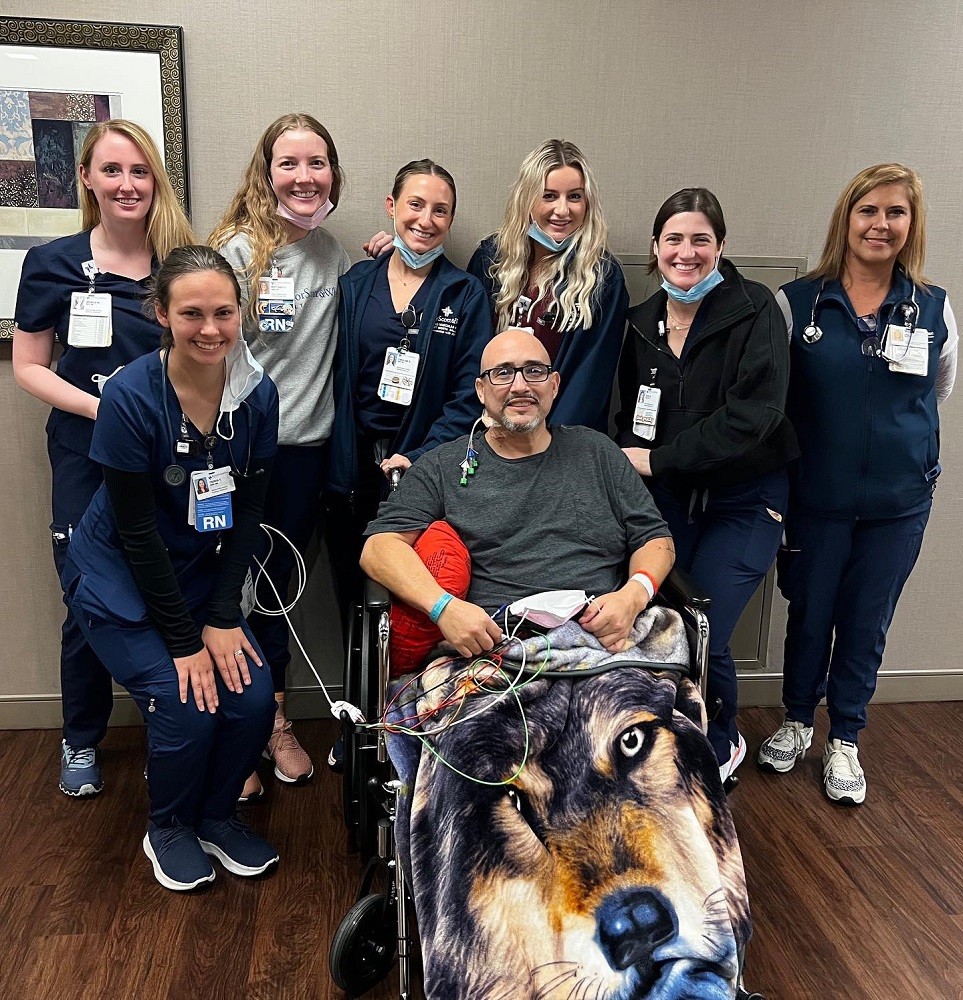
(300, 360)
(568, 518)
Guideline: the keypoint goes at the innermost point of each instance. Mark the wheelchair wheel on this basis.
(363, 946)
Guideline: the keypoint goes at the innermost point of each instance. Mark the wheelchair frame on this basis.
(378, 925)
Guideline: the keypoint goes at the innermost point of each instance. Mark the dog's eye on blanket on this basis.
(520, 801)
(632, 741)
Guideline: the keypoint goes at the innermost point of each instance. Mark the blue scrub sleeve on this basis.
(224, 608)
(40, 297)
(124, 430)
(135, 513)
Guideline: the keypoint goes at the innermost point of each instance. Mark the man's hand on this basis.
(610, 617)
(468, 628)
(378, 244)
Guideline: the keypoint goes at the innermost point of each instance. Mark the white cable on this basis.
(336, 707)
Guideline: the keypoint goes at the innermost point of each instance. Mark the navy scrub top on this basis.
(50, 274)
(381, 328)
(132, 434)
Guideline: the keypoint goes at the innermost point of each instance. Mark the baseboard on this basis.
(763, 689)
(43, 711)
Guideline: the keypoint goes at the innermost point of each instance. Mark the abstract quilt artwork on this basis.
(41, 134)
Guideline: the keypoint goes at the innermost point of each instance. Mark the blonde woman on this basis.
(288, 267)
(547, 268)
(873, 353)
(86, 293)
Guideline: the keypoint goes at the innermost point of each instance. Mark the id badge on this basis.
(397, 383)
(646, 412)
(911, 352)
(275, 305)
(90, 324)
(209, 506)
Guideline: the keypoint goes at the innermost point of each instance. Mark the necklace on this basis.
(399, 274)
(676, 325)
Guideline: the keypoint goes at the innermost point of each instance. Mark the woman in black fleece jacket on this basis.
(712, 440)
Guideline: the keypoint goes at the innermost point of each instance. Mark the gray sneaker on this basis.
(79, 771)
(787, 744)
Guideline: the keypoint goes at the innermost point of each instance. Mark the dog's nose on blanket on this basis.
(632, 924)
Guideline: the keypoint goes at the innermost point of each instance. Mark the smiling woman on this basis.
(874, 349)
(154, 570)
(288, 265)
(85, 292)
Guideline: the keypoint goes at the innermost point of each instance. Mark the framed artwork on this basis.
(58, 78)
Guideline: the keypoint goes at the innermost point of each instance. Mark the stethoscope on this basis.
(872, 346)
(188, 446)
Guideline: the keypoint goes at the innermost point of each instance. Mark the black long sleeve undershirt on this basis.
(135, 512)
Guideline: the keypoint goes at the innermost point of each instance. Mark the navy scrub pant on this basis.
(727, 547)
(197, 762)
(86, 693)
(293, 506)
(842, 579)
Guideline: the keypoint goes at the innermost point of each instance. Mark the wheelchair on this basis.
(380, 925)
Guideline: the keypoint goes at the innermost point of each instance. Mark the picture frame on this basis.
(56, 77)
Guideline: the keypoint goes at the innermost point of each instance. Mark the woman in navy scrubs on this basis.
(873, 348)
(154, 571)
(131, 218)
(411, 329)
(548, 268)
(715, 444)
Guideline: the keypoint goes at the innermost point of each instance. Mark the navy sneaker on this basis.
(237, 846)
(79, 771)
(336, 756)
(178, 859)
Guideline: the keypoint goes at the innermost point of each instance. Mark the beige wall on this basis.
(773, 105)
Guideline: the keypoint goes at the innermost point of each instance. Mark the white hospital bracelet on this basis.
(643, 578)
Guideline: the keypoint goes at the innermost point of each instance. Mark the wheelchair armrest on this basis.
(376, 598)
(680, 591)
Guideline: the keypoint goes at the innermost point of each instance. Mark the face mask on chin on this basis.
(699, 290)
(539, 236)
(306, 222)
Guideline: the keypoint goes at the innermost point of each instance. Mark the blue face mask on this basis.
(698, 291)
(546, 241)
(416, 260)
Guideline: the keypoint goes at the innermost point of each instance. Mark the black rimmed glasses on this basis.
(505, 374)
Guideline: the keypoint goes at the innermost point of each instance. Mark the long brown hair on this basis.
(254, 208)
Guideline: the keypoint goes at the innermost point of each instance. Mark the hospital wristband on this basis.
(440, 606)
(648, 582)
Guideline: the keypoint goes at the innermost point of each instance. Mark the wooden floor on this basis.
(862, 904)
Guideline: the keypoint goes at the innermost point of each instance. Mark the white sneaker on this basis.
(787, 744)
(737, 756)
(842, 776)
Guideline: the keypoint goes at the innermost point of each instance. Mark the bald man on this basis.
(556, 508)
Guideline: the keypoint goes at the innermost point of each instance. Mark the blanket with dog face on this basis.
(568, 839)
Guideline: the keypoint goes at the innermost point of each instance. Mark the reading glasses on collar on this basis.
(505, 374)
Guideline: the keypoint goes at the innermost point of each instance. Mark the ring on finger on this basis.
(238, 652)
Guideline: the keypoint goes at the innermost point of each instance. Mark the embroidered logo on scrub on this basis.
(447, 322)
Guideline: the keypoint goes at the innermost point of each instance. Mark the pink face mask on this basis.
(307, 222)
(550, 608)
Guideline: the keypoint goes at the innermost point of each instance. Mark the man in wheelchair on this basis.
(565, 835)
(537, 508)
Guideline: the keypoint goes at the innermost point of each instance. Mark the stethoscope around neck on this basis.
(872, 346)
(175, 474)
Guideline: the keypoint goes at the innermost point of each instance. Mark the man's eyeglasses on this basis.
(505, 374)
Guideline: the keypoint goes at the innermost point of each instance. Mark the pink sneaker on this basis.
(291, 762)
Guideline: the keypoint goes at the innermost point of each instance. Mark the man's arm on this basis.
(390, 559)
(610, 617)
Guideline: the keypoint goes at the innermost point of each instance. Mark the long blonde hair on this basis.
(913, 254)
(577, 272)
(254, 208)
(166, 224)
